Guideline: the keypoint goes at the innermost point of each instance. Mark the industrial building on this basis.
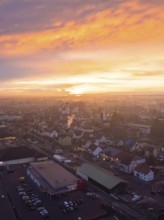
(19, 155)
(101, 177)
(52, 178)
(5, 134)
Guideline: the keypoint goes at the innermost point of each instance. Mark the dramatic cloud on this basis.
(77, 41)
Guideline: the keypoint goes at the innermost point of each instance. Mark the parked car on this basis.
(28, 201)
(25, 197)
(40, 209)
(66, 204)
(20, 189)
(37, 203)
(70, 203)
(32, 195)
(22, 193)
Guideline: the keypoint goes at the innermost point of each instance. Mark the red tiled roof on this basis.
(143, 169)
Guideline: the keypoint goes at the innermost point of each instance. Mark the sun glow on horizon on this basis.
(100, 47)
(79, 90)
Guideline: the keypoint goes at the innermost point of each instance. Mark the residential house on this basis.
(94, 150)
(144, 129)
(161, 156)
(127, 162)
(103, 139)
(151, 152)
(120, 143)
(137, 147)
(144, 173)
(65, 140)
(110, 153)
(77, 134)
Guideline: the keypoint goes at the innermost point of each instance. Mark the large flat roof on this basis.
(100, 175)
(15, 153)
(56, 176)
(4, 133)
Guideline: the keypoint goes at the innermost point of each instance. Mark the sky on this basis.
(62, 47)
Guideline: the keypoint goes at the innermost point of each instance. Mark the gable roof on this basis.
(100, 175)
(143, 169)
(125, 157)
(111, 151)
(93, 147)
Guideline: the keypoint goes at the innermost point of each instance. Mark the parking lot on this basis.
(29, 203)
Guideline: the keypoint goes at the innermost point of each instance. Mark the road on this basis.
(123, 208)
(6, 207)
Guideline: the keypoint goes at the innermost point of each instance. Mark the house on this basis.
(120, 143)
(144, 129)
(127, 162)
(139, 159)
(103, 139)
(144, 172)
(161, 156)
(86, 145)
(65, 140)
(137, 147)
(111, 153)
(77, 134)
(94, 150)
(151, 151)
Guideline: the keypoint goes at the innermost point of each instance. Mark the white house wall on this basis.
(148, 177)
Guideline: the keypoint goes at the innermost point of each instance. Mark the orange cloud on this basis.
(131, 22)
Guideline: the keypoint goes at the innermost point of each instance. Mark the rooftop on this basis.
(143, 169)
(54, 174)
(100, 175)
(13, 153)
(5, 134)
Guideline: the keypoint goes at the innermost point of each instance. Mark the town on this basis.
(82, 158)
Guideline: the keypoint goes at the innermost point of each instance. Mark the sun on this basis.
(78, 90)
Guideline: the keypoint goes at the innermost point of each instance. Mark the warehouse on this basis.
(52, 178)
(19, 155)
(101, 177)
(5, 134)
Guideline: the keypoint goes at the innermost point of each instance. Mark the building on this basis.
(61, 159)
(151, 152)
(144, 173)
(65, 140)
(19, 155)
(144, 129)
(110, 153)
(94, 150)
(10, 117)
(5, 134)
(127, 162)
(127, 165)
(52, 178)
(101, 177)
